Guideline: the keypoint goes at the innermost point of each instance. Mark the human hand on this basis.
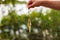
(34, 3)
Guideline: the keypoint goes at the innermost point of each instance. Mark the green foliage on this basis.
(13, 2)
(38, 20)
(12, 23)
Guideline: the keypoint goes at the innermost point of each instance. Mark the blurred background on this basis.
(19, 23)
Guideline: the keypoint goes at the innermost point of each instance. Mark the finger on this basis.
(30, 2)
(32, 5)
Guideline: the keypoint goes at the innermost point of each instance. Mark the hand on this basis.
(34, 3)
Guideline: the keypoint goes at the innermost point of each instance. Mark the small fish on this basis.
(29, 25)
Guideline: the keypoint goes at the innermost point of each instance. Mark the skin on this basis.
(55, 4)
